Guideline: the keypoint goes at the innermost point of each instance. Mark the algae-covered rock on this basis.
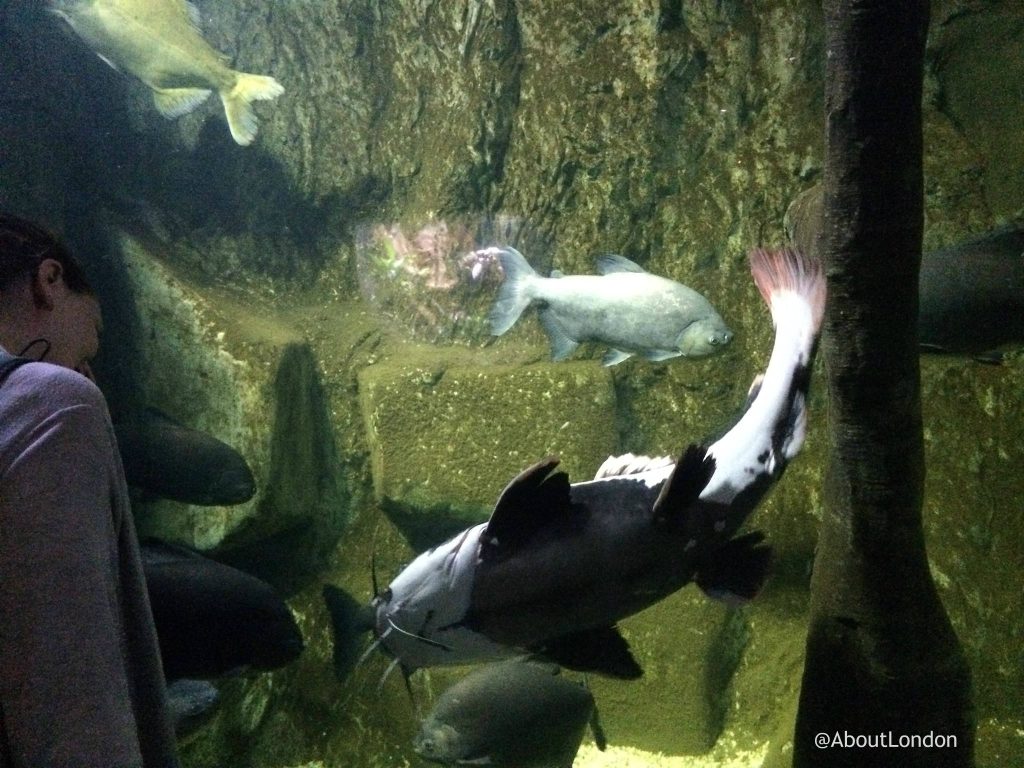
(980, 72)
(680, 704)
(197, 354)
(445, 440)
(974, 446)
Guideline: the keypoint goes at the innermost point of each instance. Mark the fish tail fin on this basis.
(349, 620)
(514, 295)
(784, 273)
(794, 287)
(238, 104)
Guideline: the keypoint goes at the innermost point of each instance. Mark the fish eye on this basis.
(713, 341)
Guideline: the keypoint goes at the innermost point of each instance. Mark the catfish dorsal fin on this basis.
(528, 502)
(682, 488)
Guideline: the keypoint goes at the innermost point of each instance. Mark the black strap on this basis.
(8, 363)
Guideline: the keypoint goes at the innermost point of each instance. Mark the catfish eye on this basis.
(713, 341)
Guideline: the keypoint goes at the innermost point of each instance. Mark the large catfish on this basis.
(558, 565)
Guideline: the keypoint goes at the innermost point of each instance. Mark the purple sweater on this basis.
(80, 677)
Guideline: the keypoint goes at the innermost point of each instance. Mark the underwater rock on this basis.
(443, 440)
(689, 648)
(217, 366)
(974, 448)
(977, 61)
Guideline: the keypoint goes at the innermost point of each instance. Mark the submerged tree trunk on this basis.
(883, 663)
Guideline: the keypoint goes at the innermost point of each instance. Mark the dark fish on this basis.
(192, 704)
(513, 714)
(972, 295)
(213, 620)
(625, 307)
(165, 459)
(557, 565)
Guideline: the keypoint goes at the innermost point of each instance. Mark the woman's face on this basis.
(74, 333)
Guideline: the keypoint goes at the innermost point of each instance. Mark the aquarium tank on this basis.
(410, 262)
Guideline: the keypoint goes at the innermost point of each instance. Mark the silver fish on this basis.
(625, 307)
(557, 565)
(514, 714)
(158, 42)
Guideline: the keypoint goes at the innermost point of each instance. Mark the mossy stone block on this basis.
(688, 647)
(444, 441)
(195, 352)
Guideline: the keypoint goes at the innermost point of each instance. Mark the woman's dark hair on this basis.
(24, 246)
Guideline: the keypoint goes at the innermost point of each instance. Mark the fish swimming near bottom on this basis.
(169, 460)
(158, 42)
(213, 620)
(557, 565)
(625, 307)
(511, 714)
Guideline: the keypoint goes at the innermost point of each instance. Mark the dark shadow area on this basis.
(426, 527)
(305, 505)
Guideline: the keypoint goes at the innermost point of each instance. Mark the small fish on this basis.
(513, 714)
(213, 620)
(158, 42)
(558, 565)
(972, 295)
(166, 459)
(625, 307)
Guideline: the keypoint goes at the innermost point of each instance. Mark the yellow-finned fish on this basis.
(158, 42)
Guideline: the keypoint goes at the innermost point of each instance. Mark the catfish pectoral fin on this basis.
(736, 572)
(602, 650)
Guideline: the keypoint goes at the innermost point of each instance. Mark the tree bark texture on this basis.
(882, 658)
